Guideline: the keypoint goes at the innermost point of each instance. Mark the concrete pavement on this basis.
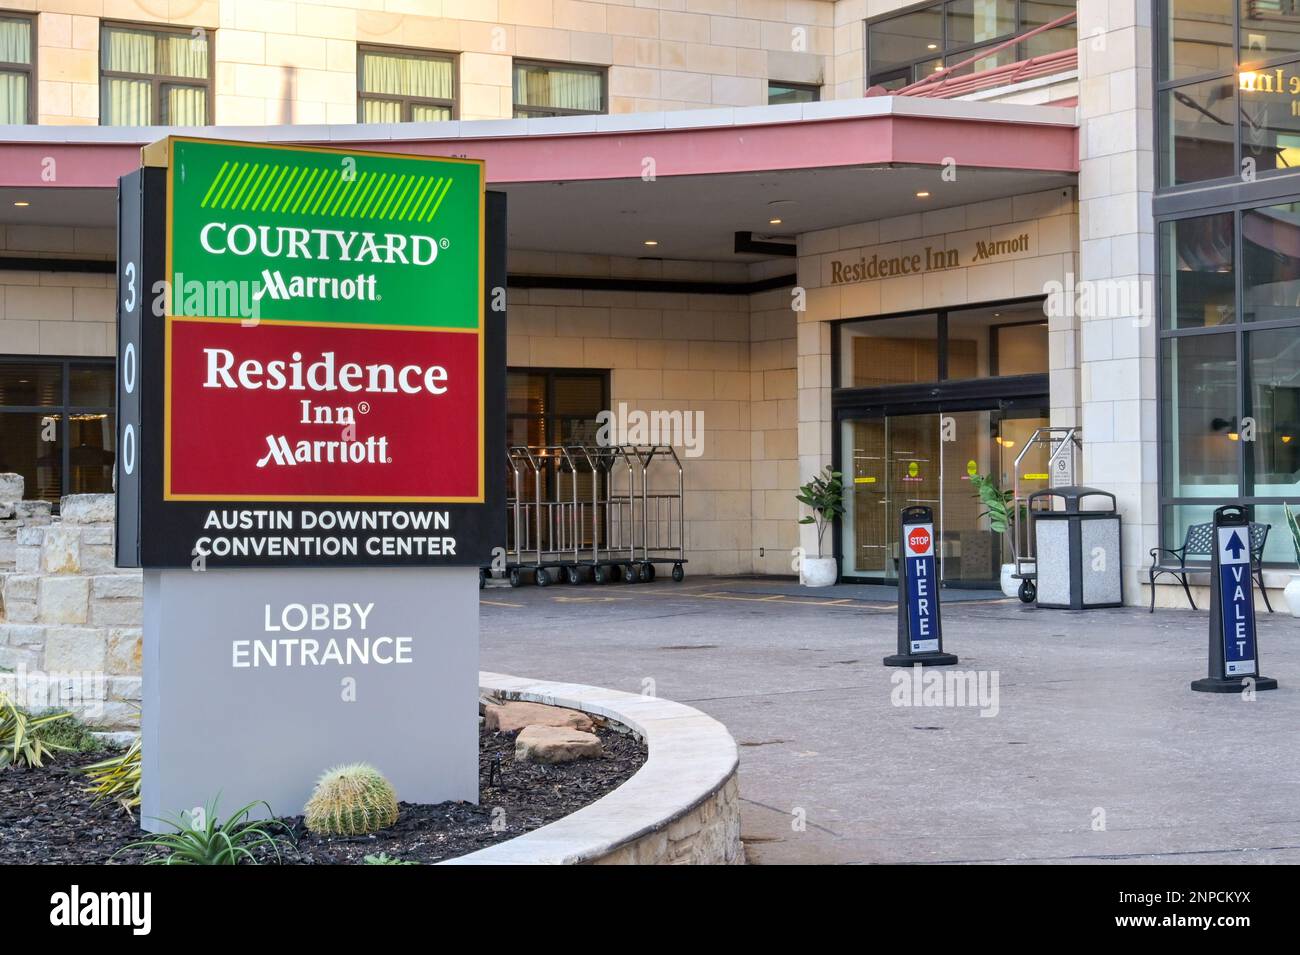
(1098, 751)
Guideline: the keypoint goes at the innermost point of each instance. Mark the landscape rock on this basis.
(514, 716)
(87, 509)
(11, 487)
(555, 744)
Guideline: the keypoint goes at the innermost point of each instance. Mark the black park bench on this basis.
(1196, 547)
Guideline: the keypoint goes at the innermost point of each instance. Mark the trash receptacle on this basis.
(1077, 550)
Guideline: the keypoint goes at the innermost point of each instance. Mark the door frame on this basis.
(1013, 393)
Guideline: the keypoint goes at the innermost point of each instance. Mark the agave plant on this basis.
(117, 778)
(1294, 527)
(20, 745)
(211, 840)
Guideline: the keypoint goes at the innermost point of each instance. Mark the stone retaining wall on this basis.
(70, 621)
(681, 807)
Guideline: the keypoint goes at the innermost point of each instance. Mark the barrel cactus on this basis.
(351, 801)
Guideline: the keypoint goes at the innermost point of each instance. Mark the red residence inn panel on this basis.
(368, 414)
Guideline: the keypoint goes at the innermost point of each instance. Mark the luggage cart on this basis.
(661, 519)
(545, 531)
(607, 518)
(1064, 446)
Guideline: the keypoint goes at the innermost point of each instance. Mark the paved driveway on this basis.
(1098, 751)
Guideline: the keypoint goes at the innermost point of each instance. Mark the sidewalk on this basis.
(1098, 751)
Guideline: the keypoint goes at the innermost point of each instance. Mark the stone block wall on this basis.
(70, 621)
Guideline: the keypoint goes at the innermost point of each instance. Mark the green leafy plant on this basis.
(351, 801)
(1294, 527)
(824, 494)
(21, 743)
(997, 502)
(211, 840)
(116, 778)
(68, 732)
(383, 858)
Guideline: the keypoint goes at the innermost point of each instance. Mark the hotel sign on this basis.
(870, 268)
(313, 323)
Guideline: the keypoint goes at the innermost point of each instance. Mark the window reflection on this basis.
(1271, 249)
(1269, 29)
(1197, 141)
(1273, 402)
(1201, 432)
(1199, 288)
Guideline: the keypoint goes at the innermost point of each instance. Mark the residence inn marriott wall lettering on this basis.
(876, 264)
(318, 354)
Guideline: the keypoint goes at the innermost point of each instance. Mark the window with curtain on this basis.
(552, 89)
(399, 86)
(154, 76)
(16, 35)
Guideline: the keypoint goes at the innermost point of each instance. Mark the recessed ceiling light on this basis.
(922, 194)
(773, 221)
(651, 242)
(932, 46)
(22, 205)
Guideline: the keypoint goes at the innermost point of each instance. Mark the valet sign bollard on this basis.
(310, 422)
(1234, 653)
(920, 633)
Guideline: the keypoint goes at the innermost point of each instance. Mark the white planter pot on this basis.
(1292, 594)
(1010, 586)
(817, 571)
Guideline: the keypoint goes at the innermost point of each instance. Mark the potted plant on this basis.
(824, 495)
(997, 508)
(1292, 590)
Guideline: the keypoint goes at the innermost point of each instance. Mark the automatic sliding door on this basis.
(864, 531)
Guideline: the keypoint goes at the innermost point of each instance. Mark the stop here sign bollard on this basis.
(1234, 654)
(920, 634)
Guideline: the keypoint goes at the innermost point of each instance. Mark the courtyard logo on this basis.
(678, 429)
(924, 687)
(74, 908)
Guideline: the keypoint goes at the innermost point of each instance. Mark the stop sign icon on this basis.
(918, 539)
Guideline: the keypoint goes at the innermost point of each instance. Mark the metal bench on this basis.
(1197, 544)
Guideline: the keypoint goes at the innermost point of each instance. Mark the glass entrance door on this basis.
(892, 461)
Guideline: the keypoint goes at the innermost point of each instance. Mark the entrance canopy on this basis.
(687, 182)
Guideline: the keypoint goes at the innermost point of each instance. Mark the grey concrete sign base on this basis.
(256, 682)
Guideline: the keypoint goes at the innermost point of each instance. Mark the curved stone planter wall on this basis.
(682, 806)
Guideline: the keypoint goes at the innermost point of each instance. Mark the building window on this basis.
(155, 76)
(17, 85)
(960, 344)
(1230, 367)
(1226, 106)
(792, 93)
(403, 86)
(56, 425)
(903, 48)
(558, 89)
(549, 406)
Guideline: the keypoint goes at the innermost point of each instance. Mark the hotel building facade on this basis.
(892, 238)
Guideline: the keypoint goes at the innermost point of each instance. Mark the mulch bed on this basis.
(46, 818)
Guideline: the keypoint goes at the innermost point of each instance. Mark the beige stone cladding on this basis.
(725, 359)
(48, 312)
(70, 621)
(294, 61)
